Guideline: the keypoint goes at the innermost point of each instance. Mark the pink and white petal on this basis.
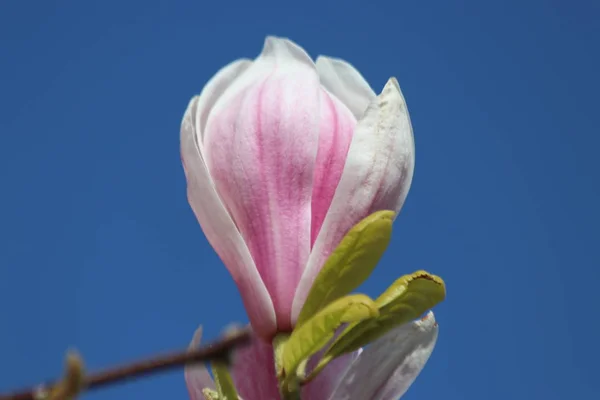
(220, 230)
(386, 369)
(346, 83)
(285, 50)
(197, 376)
(322, 387)
(236, 76)
(261, 143)
(377, 176)
(213, 90)
(335, 136)
(277, 53)
(253, 371)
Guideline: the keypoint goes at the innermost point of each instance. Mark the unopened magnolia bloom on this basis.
(382, 371)
(283, 156)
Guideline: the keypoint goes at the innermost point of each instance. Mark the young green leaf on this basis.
(314, 334)
(405, 300)
(351, 262)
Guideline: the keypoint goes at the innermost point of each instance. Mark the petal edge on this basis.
(386, 368)
(346, 83)
(197, 377)
(220, 229)
(377, 176)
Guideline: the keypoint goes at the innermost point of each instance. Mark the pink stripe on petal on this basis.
(337, 127)
(377, 176)
(221, 231)
(253, 371)
(261, 149)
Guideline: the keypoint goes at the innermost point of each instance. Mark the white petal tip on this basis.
(394, 81)
(427, 322)
(196, 338)
(284, 49)
(391, 97)
(391, 87)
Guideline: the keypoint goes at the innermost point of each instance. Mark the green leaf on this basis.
(405, 300)
(224, 382)
(314, 334)
(350, 264)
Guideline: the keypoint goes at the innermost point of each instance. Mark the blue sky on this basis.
(100, 250)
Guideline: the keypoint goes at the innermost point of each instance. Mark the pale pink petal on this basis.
(377, 175)
(386, 369)
(346, 83)
(322, 387)
(197, 376)
(261, 144)
(214, 90)
(277, 53)
(220, 230)
(253, 371)
(337, 127)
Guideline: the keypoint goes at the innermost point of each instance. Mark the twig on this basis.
(218, 350)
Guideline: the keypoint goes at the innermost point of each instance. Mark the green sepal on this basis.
(314, 334)
(278, 343)
(405, 300)
(350, 264)
(210, 394)
(223, 381)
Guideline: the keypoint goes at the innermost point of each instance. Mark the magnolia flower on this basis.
(382, 371)
(282, 157)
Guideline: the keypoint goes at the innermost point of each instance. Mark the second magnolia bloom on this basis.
(282, 157)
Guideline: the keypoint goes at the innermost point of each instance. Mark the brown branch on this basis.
(218, 350)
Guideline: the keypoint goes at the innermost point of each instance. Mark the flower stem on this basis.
(290, 393)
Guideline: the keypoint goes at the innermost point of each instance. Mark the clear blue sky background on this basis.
(100, 250)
